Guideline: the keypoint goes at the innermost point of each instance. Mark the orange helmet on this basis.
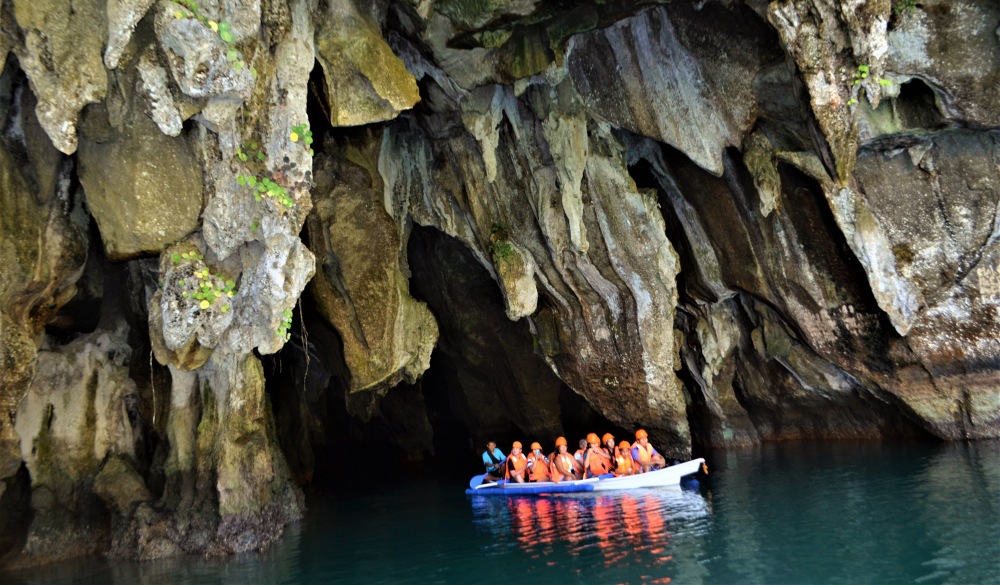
(624, 445)
(592, 438)
(535, 445)
(607, 437)
(516, 445)
(560, 441)
(640, 434)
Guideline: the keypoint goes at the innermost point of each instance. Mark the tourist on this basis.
(493, 458)
(644, 454)
(517, 464)
(597, 461)
(538, 464)
(608, 443)
(624, 464)
(581, 452)
(564, 465)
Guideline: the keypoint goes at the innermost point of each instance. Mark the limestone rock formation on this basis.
(727, 221)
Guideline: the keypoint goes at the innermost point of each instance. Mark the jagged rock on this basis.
(502, 382)
(119, 486)
(255, 497)
(63, 65)
(196, 55)
(706, 70)
(73, 415)
(143, 188)
(952, 47)
(593, 303)
(929, 214)
(43, 249)
(362, 291)
(123, 15)
(830, 42)
(365, 81)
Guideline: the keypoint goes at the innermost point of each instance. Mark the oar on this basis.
(476, 480)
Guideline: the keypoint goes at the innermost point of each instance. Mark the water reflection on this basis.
(625, 536)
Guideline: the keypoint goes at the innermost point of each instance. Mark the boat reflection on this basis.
(625, 528)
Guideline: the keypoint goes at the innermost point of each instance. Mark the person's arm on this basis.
(635, 452)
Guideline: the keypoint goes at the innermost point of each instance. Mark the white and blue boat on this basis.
(668, 476)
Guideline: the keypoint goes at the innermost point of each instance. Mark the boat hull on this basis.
(668, 476)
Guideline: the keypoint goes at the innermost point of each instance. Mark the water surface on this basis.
(845, 512)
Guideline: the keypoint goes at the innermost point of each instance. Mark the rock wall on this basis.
(726, 222)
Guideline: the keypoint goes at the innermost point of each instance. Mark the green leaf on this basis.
(175, 257)
(184, 294)
(241, 180)
(254, 226)
(223, 25)
(261, 156)
(252, 181)
(863, 68)
(231, 55)
(225, 308)
(226, 35)
(182, 283)
(230, 284)
(238, 65)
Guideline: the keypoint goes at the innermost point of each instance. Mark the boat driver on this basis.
(493, 458)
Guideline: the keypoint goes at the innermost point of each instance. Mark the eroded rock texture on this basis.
(725, 221)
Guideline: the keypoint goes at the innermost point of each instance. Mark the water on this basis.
(809, 513)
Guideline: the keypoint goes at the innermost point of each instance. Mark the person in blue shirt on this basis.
(493, 459)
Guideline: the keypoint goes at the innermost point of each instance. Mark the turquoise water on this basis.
(843, 512)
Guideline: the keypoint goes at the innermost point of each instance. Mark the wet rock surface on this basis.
(292, 230)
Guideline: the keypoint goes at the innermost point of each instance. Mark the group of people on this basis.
(594, 458)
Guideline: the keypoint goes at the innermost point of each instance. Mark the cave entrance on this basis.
(486, 381)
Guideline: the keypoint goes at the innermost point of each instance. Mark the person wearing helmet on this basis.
(493, 459)
(645, 454)
(597, 461)
(624, 464)
(564, 465)
(517, 464)
(538, 464)
(608, 444)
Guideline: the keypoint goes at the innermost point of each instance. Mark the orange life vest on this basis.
(567, 460)
(519, 463)
(598, 465)
(645, 454)
(623, 463)
(540, 468)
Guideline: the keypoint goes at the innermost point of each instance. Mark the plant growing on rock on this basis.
(500, 243)
(222, 28)
(286, 324)
(198, 283)
(302, 131)
(859, 77)
(263, 184)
